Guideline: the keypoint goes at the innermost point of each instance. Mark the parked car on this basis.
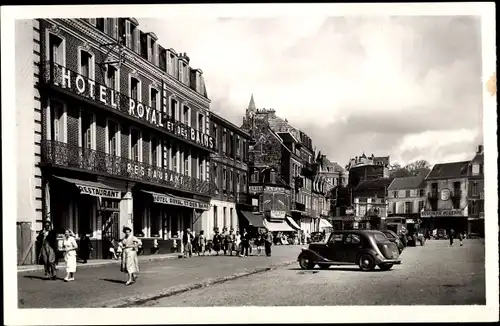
(393, 237)
(317, 237)
(365, 248)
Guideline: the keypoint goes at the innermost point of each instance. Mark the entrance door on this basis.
(110, 225)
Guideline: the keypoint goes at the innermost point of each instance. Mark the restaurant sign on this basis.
(185, 202)
(443, 213)
(278, 215)
(255, 189)
(99, 192)
(90, 89)
(274, 189)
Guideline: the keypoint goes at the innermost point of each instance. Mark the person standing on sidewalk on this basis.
(230, 242)
(461, 238)
(69, 249)
(268, 242)
(237, 242)
(451, 236)
(85, 248)
(217, 241)
(130, 263)
(245, 243)
(202, 242)
(187, 241)
(47, 239)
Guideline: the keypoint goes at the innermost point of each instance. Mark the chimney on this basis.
(480, 149)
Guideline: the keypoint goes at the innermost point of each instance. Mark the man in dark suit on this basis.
(187, 241)
(47, 240)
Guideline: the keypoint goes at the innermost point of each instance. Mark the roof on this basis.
(251, 105)
(373, 184)
(448, 170)
(407, 183)
(479, 158)
(383, 159)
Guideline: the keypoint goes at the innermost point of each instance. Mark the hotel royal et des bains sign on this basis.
(89, 89)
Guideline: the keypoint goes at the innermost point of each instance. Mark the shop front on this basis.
(253, 222)
(455, 219)
(160, 219)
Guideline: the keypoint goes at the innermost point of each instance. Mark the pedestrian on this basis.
(156, 247)
(217, 241)
(85, 248)
(202, 242)
(225, 240)
(112, 250)
(69, 247)
(258, 244)
(245, 243)
(130, 263)
(187, 241)
(47, 240)
(237, 242)
(451, 236)
(268, 242)
(231, 239)
(461, 238)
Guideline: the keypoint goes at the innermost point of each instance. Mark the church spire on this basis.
(251, 105)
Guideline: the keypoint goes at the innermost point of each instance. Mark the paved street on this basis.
(435, 274)
(104, 285)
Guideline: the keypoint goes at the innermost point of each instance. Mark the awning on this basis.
(256, 220)
(293, 224)
(323, 224)
(92, 188)
(278, 226)
(177, 201)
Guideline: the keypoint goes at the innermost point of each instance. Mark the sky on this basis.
(404, 86)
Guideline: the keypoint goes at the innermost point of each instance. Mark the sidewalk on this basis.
(104, 285)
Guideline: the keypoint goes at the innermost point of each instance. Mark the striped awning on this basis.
(324, 224)
(92, 188)
(278, 226)
(292, 223)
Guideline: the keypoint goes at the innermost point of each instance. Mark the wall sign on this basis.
(185, 202)
(444, 213)
(99, 192)
(255, 189)
(280, 215)
(445, 194)
(274, 189)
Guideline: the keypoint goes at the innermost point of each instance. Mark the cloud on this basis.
(352, 83)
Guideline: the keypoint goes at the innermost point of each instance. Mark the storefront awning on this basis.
(278, 226)
(92, 188)
(177, 201)
(324, 224)
(256, 220)
(292, 223)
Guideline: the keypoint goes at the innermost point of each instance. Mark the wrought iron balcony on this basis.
(84, 88)
(69, 156)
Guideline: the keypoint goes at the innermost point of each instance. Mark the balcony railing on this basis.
(88, 89)
(65, 155)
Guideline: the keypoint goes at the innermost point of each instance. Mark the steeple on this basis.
(251, 105)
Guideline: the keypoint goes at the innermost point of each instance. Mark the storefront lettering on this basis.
(140, 171)
(274, 189)
(444, 213)
(168, 200)
(109, 97)
(99, 192)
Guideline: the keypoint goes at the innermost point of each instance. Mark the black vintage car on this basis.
(365, 248)
(393, 237)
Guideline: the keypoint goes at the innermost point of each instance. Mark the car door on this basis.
(333, 249)
(352, 243)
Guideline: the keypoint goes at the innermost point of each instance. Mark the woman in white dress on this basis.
(69, 247)
(130, 263)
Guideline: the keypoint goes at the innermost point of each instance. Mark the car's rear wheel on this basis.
(306, 263)
(324, 266)
(366, 263)
(385, 267)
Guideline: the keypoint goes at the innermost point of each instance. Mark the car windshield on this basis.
(379, 237)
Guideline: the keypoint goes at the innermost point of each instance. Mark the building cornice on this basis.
(134, 61)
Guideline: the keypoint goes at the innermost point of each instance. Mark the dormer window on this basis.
(475, 169)
(162, 58)
(143, 45)
(122, 31)
(181, 72)
(100, 22)
(171, 64)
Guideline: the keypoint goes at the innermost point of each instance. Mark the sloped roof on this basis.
(407, 183)
(373, 184)
(449, 170)
(479, 158)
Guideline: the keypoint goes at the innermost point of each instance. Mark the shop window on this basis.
(56, 48)
(112, 78)
(86, 64)
(216, 220)
(113, 135)
(153, 98)
(135, 145)
(135, 89)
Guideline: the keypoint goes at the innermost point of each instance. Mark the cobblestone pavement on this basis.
(104, 285)
(435, 274)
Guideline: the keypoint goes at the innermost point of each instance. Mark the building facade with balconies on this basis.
(447, 202)
(229, 173)
(125, 133)
(407, 197)
(475, 194)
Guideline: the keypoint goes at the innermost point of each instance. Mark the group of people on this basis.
(48, 244)
(228, 242)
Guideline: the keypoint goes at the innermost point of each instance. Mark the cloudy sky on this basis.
(409, 87)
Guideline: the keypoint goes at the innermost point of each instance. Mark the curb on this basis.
(97, 264)
(140, 300)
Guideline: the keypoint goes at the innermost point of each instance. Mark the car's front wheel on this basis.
(305, 263)
(385, 267)
(366, 263)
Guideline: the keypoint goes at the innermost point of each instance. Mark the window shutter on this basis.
(115, 30)
(93, 21)
(127, 35)
(138, 40)
(156, 54)
(149, 42)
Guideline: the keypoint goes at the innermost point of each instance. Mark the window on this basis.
(216, 224)
(224, 141)
(181, 72)
(352, 239)
(86, 66)
(112, 77)
(175, 151)
(456, 189)
(216, 176)
(135, 89)
(155, 152)
(200, 122)
(56, 48)
(231, 145)
(231, 182)
(143, 38)
(420, 206)
(122, 30)
(475, 169)
(201, 168)
(474, 189)
(135, 145)
(238, 149)
(185, 115)
(171, 64)
(394, 208)
(408, 193)
(214, 132)
(87, 129)
(421, 192)
(231, 224)
(336, 237)
(100, 22)
(135, 45)
(238, 182)
(151, 50)
(173, 109)
(113, 134)
(162, 58)
(408, 207)
(112, 27)
(58, 125)
(395, 194)
(224, 216)
(224, 179)
(186, 163)
(153, 98)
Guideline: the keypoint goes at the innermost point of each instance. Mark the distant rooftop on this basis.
(449, 170)
(407, 183)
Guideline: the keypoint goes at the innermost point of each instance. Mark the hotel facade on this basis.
(121, 129)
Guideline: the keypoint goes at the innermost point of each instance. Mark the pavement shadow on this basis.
(113, 281)
(43, 278)
(333, 269)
